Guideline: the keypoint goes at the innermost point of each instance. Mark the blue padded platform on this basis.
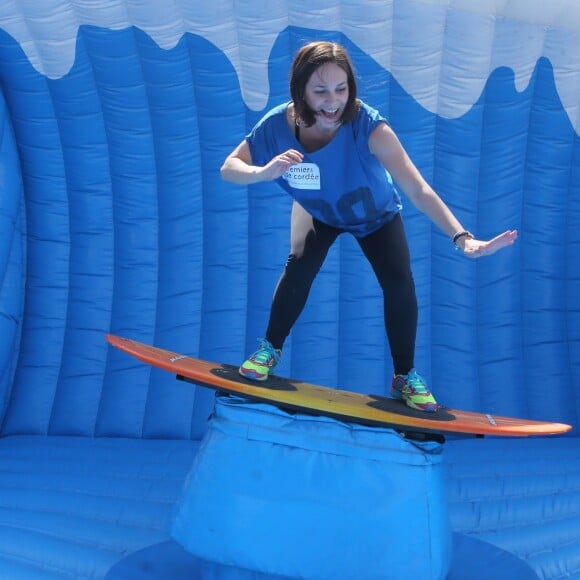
(312, 497)
(70, 508)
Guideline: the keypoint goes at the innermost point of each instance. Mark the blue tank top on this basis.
(342, 184)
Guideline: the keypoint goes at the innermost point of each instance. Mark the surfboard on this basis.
(348, 406)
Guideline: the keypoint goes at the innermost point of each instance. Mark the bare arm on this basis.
(385, 145)
(239, 168)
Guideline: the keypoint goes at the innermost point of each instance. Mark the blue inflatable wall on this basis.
(114, 120)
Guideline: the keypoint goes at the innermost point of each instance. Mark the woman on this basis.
(335, 156)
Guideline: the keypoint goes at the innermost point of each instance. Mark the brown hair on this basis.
(306, 61)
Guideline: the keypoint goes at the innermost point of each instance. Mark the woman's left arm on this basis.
(385, 145)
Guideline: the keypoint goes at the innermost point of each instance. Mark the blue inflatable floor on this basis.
(472, 560)
(72, 507)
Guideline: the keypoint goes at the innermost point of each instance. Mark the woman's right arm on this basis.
(239, 168)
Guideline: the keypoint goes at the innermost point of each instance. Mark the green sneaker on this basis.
(259, 365)
(412, 389)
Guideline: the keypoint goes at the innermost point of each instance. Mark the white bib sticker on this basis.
(303, 176)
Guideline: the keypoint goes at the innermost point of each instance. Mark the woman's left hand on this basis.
(474, 248)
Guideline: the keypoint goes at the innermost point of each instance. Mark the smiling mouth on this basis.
(330, 113)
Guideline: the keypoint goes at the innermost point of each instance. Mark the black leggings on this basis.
(388, 253)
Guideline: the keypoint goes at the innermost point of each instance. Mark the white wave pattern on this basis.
(441, 51)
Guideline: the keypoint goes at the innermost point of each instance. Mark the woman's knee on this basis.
(303, 266)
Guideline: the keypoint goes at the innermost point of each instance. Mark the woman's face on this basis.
(326, 93)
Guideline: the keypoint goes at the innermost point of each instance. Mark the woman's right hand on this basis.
(280, 164)
(239, 168)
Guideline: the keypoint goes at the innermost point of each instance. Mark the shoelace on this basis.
(265, 352)
(416, 382)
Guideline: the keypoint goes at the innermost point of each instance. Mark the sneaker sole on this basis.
(429, 407)
(252, 375)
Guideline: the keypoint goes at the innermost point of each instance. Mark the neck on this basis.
(326, 131)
